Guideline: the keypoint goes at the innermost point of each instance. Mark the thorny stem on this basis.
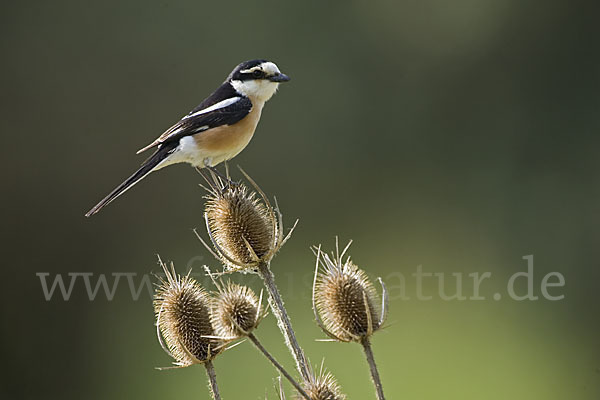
(374, 373)
(279, 367)
(276, 303)
(212, 379)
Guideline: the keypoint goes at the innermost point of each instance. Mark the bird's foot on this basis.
(228, 181)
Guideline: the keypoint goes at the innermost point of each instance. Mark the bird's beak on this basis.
(279, 78)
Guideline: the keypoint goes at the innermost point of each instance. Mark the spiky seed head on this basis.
(345, 300)
(183, 314)
(323, 387)
(242, 227)
(236, 311)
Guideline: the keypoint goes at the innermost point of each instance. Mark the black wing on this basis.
(198, 120)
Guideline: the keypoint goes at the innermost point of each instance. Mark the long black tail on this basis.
(140, 174)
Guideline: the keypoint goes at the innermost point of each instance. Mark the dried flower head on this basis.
(237, 311)
(240, 224)
(344, 300)
(323, 387)
(243, 226)
(183, 319)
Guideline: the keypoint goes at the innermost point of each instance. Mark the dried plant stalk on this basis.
(283, 320)
(279, 367)
(212, 380)
(366, 343)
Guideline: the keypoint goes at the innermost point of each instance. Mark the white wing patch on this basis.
(199, 129)
(219, 105)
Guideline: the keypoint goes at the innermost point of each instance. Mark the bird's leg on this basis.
(225, 178)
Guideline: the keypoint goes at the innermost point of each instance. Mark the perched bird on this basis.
(215, 131)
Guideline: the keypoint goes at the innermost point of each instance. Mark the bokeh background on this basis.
(459, 136)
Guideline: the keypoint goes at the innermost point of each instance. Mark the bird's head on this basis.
(257, 79)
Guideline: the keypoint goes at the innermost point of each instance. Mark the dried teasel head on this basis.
(323, 387)
(183, 319)
(244, 228)
(345, 302)
(237, 311)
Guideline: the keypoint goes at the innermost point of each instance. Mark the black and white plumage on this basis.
(216, 130)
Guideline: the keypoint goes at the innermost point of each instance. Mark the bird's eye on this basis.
(257, 73)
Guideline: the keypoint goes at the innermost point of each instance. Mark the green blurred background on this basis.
(460, 136)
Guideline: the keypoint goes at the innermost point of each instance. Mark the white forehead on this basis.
(268, 67)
